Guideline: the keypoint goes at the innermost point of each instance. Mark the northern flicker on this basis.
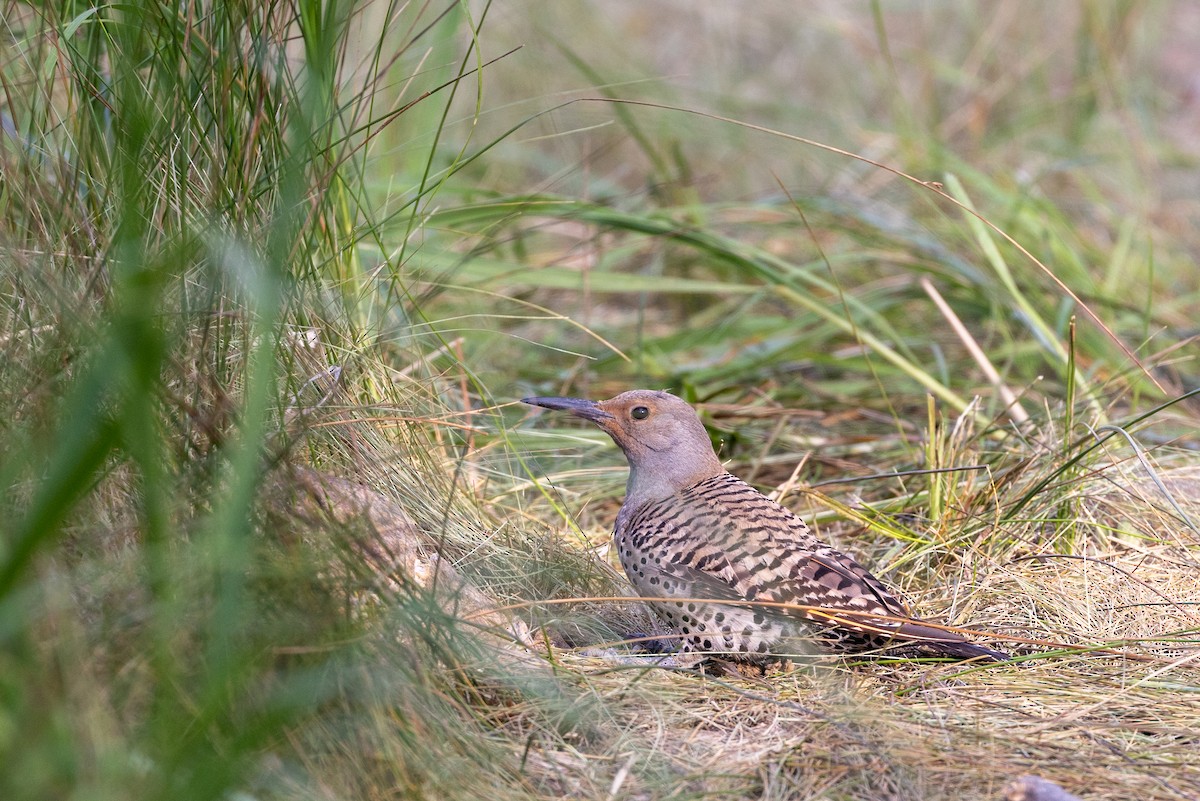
(691, 531)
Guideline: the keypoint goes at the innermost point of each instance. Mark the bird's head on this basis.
(662, 437)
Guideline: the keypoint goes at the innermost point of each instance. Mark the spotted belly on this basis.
(738, 632)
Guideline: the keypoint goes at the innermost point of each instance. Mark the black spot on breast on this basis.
(720, 618)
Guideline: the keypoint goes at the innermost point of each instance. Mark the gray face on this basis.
(661, 435)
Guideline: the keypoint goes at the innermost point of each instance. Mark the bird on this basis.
(736, 575)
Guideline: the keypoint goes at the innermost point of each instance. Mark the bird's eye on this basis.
(639, 413)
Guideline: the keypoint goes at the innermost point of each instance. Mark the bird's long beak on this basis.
(580, 407)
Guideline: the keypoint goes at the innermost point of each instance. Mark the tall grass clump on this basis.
(182, 295)
(157, 164)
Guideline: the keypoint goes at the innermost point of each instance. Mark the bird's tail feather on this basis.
(947, 643)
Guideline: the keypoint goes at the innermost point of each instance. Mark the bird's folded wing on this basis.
(825, 578)
(837, 580)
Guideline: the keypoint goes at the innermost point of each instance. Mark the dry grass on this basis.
(607, 723)
(1102, 725)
